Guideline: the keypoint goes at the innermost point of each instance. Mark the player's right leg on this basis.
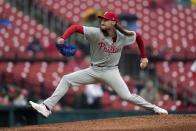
(114, 80)
(78, 78)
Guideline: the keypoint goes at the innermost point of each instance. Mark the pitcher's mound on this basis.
(136, 123)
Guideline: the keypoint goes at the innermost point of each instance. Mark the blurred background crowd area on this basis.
(31, 67)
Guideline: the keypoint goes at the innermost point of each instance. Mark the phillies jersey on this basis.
(105, 52)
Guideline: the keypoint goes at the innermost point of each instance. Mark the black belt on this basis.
(102, 66)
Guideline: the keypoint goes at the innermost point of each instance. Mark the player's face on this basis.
(107, 24)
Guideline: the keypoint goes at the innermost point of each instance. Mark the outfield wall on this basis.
(23, 115)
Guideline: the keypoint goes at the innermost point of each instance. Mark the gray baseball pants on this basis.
(107, 75)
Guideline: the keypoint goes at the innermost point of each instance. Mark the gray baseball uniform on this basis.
(105, 55)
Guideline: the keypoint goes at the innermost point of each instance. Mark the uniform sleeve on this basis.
(72, 29)
(130, 39)
(91, 33)
(140, 44)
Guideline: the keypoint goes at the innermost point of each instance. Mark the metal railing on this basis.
(172, 88)
(41, 14)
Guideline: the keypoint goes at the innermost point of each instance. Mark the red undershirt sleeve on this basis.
(72, 29)
(140, 44)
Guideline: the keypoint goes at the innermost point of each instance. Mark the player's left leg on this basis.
(81, 77)
(114, 80)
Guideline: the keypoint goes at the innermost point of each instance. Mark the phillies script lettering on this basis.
(112, 48)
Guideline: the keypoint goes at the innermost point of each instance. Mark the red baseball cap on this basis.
(110, 16)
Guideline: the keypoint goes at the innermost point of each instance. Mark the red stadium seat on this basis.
(106, 102)
(155, 26)
(22, 32)
(178, 74)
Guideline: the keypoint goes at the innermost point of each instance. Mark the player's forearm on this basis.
(72, 29)
(140, 44)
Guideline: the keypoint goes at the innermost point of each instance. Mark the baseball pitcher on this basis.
(106, 44)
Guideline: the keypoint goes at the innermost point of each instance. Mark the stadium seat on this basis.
(21, 33)
(163, 28)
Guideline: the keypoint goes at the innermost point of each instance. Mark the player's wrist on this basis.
(144, 59)
(60, 41)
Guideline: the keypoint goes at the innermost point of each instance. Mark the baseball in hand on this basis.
(60, 41)
(144, 63)
(142, 66)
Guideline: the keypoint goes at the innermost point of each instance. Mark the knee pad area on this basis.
(130, 97)
(126, 97)
(66, 81)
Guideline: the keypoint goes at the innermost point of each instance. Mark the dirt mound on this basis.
(136, 123)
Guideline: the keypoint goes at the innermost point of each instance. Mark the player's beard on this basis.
(104, 31)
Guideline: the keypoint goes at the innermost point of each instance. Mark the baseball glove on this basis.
(66, 49)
